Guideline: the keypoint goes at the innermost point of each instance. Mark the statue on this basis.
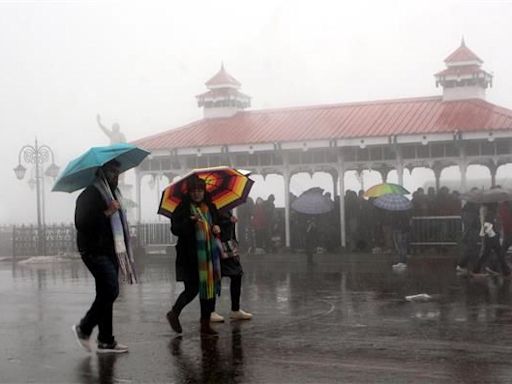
(115, 135)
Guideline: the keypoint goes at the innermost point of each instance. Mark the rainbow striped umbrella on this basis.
(227, 187)
(386, 189)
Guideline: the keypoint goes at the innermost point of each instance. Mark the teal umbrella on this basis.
(81, 171)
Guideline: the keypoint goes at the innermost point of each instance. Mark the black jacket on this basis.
(94, 233)
(187, 268)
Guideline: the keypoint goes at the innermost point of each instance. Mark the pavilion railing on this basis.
(436, 230)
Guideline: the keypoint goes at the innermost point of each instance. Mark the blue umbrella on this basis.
(393, 203)
(81, 171)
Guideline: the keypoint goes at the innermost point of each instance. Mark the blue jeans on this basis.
(105, 272)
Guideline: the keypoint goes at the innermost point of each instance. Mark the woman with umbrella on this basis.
(195, 223)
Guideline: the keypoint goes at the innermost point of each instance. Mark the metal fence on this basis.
(23, 239)
(151, 234)
(436, 230)
(6, 242)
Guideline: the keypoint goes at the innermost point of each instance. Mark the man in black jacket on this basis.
(96, 246)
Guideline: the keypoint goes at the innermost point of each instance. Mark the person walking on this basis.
(195, 223)
(311, 238)
(470, 236)
(400, 222)
(491, 240)
(231, 267)
(101, 237)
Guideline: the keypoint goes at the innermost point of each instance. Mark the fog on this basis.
(141, 64)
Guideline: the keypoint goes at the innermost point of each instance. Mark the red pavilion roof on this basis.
(352, 120)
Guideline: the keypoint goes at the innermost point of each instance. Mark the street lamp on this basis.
(37, 155)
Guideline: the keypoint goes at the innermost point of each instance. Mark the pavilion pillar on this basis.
(463, 167)
(493, 168)
(341, 177)
(437, 175)
(138, 178)
(286, 179)
(334, 176)
(399, 167)
(384, 171)
(400, 173)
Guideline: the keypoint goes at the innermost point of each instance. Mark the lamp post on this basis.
(37, 155)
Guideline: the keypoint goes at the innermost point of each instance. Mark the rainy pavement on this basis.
(342, 320)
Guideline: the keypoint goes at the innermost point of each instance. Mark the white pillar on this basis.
(399, 167)
(463, 167)
(341, 177)
(138, 177)
(286, 179)
(334, 184)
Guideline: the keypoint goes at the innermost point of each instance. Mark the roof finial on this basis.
(222, 65)
(462, 43)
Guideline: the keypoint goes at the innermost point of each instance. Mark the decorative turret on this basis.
(223, 98)
(463, 78)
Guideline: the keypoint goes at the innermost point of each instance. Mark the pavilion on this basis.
(459, 128)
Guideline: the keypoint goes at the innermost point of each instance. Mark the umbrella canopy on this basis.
(81, 171)
(227, 187)
(393, 203)
(386, 189)
(495, 195)
(313, 202)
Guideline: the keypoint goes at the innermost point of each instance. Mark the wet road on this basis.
(343, 320)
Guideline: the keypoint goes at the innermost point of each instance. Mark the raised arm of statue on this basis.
(103, 128)
(115, 135)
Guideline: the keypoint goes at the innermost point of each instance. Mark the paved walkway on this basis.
(343, 319)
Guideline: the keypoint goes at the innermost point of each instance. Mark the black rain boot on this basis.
(174, 321)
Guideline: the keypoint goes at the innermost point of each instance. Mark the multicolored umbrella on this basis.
(393, 203)
(227, 187)
(386, 189)
(80, 172)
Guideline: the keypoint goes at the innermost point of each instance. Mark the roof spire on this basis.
(462, 43)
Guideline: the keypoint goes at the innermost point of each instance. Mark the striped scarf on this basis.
(208, 253)
(120, 232)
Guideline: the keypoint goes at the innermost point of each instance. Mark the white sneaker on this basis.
(240, 315)
(216, 318)
(461, 271)
(399, 266)
(81, 339)
(112, 348)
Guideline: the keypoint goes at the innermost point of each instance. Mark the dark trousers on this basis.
(235, 289)
(105, 272)
(492, 244)
(470, 252)
(190, 292)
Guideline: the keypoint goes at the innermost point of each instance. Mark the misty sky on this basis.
(142, 63)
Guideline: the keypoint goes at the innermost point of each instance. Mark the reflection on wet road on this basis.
(344, 319)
